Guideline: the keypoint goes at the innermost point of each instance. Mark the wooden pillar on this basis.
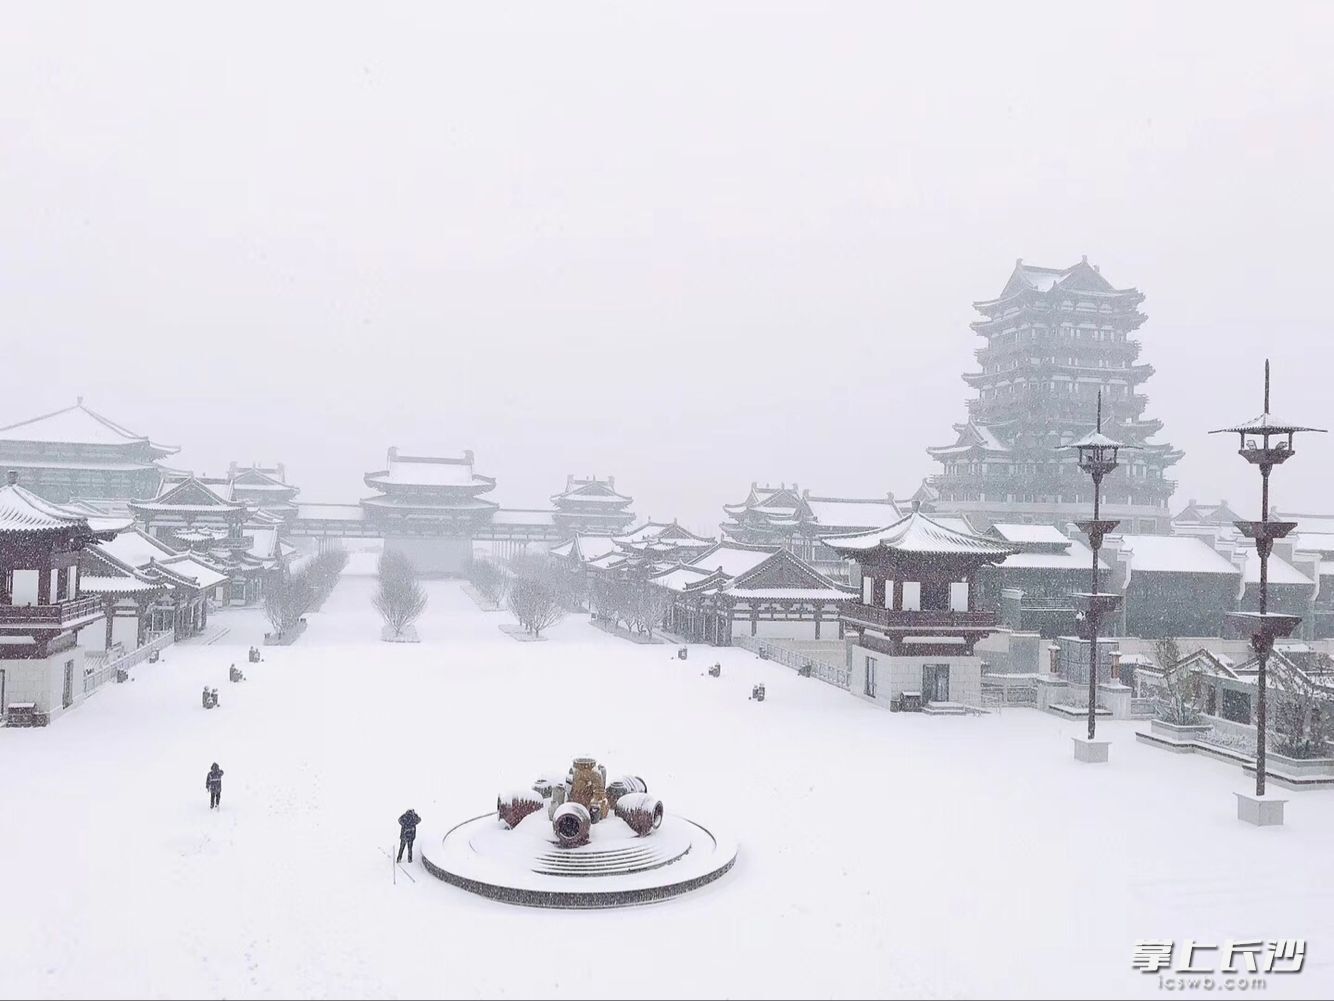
(110, 606)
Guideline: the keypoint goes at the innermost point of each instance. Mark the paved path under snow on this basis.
(881, 854)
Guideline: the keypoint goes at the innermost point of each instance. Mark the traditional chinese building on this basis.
(1055, 338)
(42, 604)
(730, 591)
(430, 508)
(797, 520)
(592, 507)
(263, 488)
(190, 581)
(910, 638)
(77, 454)
(1033, 590)
(1313, 545)
(128, 595)
(1196, 517)
(200, 516)
(1172, 585)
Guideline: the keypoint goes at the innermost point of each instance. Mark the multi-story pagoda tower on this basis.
(592, 507)
(1055, 338)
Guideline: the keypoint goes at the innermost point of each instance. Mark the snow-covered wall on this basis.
(433, 557)
(42, 682)
(896, 675)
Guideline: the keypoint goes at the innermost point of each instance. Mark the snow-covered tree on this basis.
(1301, 720)
(534, 601)
(400, 599)
(1180, 699)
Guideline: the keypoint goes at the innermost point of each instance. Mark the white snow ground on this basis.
(880, 854)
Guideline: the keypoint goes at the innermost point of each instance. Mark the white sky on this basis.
(692, 244)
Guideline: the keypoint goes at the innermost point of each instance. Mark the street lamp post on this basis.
(1097, 456)
(1265, 442)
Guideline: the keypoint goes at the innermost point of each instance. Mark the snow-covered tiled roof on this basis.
(918, 534)
(681, 575)
(1031, 534)
(76, 425)
(1075, 556)
(429, 471)
(733, 560)
(836, 512)
(136, 548)
(21, 510)
(114, 585)
(200, 572)
(1174, 554)
(1280, 570)
(790, 594)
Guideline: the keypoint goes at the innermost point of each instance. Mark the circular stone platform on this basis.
(615, 868)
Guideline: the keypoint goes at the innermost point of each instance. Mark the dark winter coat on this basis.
(213, 780)
(407, 824)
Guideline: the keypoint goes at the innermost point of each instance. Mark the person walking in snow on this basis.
(213, 783)
(407, 832)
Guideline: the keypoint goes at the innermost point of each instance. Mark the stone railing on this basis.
(59, 614)
(893, 618)
(105, 669)
(837, 675)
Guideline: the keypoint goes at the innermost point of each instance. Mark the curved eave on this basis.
(466, 505)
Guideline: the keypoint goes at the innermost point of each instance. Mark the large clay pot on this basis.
(589, 787)
(571, 823)
(642, 812)
(622, 785)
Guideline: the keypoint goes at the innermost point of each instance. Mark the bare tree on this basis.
(534, 602)
(1302, 722)
(323, 572)
(288, 597)
(652, 606)
(1180, 700)
(400, 599)
(489, 580)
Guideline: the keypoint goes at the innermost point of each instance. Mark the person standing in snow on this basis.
(407, 832)
(213, 783)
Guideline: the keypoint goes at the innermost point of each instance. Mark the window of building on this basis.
(912, 596)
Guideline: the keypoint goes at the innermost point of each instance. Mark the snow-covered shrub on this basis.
(512, 807)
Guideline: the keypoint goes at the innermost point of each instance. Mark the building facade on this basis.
(42, 605)
(592, 507)
(797, 520)
(1055, 339)
(429, 508)
(911, 636)
(77, 454)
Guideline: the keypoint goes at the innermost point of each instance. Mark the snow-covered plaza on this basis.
(880, 854)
